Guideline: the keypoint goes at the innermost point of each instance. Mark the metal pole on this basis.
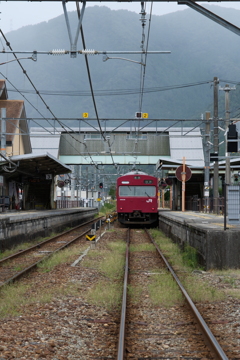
(171, 197)
(215, 143)
(225, 189)
(183, 183)
(77, 194)
(73, 182)
(207, 161)
(80, 182)
(227, 89)
(3, 131)
(3, 145)
(87, 187)
(227, 117)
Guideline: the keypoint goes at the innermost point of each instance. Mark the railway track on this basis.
(144, 332)
(71, 326)
(16, 265)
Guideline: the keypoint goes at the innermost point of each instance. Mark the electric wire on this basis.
(29, 102)
(108, 129)
(90, 83)
(230, 81)
(88, 72)
(143, 66)
(25, 73)
(37, 92)
(114, 92)
(143, 20)
(144, 61)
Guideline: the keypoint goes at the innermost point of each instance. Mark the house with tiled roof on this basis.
(27, 181)
(3, 90)
(14, 139)
(17, 133)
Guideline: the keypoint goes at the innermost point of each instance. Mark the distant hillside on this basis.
(200, 49)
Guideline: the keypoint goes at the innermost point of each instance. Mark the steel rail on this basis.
(25, 251)
(209, 337)
(32, 266)
(121, 339)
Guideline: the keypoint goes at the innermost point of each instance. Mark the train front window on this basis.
(144, 191)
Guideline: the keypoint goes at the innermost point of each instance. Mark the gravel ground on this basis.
(68, 327)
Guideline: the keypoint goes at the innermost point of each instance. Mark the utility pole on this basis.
(215, 143)
(3, 142)
(79, 176)
(3, 131)
(72, 183)
(227, 89)
(207, 160)
(87, 187)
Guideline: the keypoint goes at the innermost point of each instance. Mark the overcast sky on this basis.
(15, 14)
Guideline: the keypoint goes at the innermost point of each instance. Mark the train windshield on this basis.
(146, 191)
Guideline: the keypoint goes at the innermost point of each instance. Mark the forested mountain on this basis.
(200, 50)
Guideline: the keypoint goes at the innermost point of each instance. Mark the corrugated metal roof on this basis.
(188, 145)
(45, 141)
(185, 141)
(31, 164)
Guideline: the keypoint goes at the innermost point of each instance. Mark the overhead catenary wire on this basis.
(48, 108)
(29, 102)
(25, 73)
(143, 20)
(91, 87)
(143, 67)
(66, 127)
(114, 92)
(144, 55)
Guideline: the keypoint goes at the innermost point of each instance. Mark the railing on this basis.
(63, 204)
(207, 205)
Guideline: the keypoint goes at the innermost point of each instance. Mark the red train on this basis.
(137, 199)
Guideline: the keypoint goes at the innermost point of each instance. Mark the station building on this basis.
(151, 145)
(27, 181)
(129, 145)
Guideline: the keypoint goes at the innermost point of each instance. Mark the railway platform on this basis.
(22, 226)
(217, 248)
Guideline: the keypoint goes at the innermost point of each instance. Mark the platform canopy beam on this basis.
(119, 1)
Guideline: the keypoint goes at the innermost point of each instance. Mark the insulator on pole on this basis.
(88, 52)
(58, 52)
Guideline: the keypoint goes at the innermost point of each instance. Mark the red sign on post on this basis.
(179, 173)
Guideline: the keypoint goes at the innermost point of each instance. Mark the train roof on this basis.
(136, 172)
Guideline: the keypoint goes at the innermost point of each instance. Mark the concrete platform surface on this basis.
(217, 248)
(35, 214)
(24, 226)
(202, 220)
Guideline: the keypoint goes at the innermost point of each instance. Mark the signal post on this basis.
(183, 174)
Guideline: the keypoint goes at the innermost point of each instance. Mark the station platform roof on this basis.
(33, 165)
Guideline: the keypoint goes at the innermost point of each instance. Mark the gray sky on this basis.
(15, 14)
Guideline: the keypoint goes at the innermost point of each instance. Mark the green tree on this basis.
(112, 192)
(167, 193)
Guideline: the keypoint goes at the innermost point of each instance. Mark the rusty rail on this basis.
(121, 339)
(18, 275)
(209, 337)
